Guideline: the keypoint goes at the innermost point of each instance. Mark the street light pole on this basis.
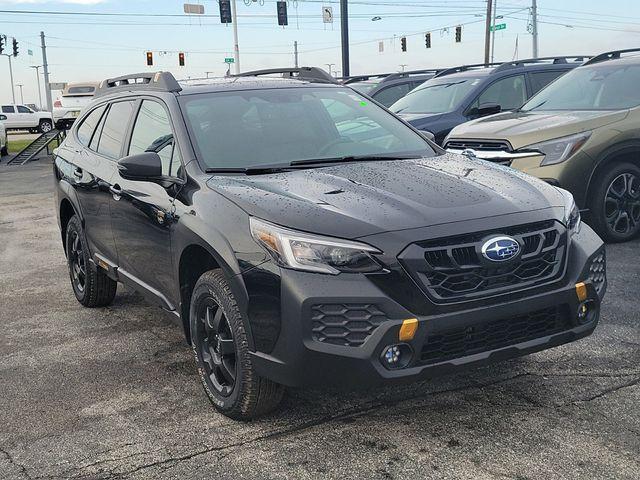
(13, 93)
(39, 89)
(21, 95)
(45, 69)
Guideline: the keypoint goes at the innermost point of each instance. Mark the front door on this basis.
(142, 213)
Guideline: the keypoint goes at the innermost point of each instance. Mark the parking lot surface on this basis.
(113, 392)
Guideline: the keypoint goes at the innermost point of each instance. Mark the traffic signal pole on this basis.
(236, 47)
(13, 92)
(344, 28)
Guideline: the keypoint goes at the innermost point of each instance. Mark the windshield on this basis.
(436, 96)
(251, 128)
(363, 87)
(599, 87)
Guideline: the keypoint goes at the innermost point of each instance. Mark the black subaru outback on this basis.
(304, 235)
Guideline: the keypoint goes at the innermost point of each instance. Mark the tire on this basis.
(4, 152)
(615, 204)
(45, 126)
(224, 364)
(91, 285)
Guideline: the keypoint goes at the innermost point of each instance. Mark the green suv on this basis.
(581, 133)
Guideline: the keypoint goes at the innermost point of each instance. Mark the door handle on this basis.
(116, 191)
(77, 172)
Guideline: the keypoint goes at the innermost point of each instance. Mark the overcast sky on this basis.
(88, 47)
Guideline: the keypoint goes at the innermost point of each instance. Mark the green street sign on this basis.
(229, 60)
(499, 26)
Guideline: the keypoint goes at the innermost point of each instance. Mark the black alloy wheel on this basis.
(622, 204)
(77, 264)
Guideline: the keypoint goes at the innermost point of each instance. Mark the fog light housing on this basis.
(586, 312)
(396, 356)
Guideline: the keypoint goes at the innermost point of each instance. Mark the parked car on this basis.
(581, 133)
(74, 98)
(388, 88)
(21, 117)
(304, 235)
(3, 136)
(460, 94)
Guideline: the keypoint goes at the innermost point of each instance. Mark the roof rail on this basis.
(160, 81)
(609, 56)
(360, 78)
(553, 60)
(311, 74)
(408, 73)
(462, 68)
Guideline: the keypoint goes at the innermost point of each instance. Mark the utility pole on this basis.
(236, 47)
(295, 53)
(45, 69)
(39, 89)
(493, 33)
(534, 27)
(487, 33)
(21, 95)
(344, 30)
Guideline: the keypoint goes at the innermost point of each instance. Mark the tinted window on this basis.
(437, 96)
(363, 87)
(277, 126)
(112, 135)
(22, 109)
(539, 80)
(390, 95)
(508, 92)
(606, 86)
(86, 129)
(152, 133)
(8, 109)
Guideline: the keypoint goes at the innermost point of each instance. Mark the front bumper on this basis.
(297, 358)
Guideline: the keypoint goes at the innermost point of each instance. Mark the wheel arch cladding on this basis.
(66, 212)
(628, 152)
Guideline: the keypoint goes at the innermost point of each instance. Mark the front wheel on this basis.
(615, 205)
(221, 350)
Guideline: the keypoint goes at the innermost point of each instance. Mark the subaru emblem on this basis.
(500, 249)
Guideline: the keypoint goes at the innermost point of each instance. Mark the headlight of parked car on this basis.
(313, 253)
(558, 150)
(572, 219)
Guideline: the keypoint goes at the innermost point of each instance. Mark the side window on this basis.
(509, 93)
(391, 95)
(152, 133)
(8, 109)
(22, 109)
(88, 125)
(113, 130)
(539, 80)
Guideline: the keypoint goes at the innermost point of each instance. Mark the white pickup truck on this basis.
(21, 117)
(74, 98)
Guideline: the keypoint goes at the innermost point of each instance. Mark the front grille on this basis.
(493, 334)
(487, 145)
(453, 269)
(598, 272)
(348, 324)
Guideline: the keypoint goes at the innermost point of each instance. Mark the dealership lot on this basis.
(111, 393)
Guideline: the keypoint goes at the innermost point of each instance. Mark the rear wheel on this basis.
(91, 286)
(221, 350)
(3, 151)
(616, 203)
(45, 126)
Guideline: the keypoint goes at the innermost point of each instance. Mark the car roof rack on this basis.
(613, 55)
(548, 60)
(310, 74)
(158, 81)
(386, 77)
(464, 68)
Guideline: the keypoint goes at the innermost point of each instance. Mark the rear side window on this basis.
(507, 92)
(152, 133)
(539, 80)
(88, 126)
(115, 126)
(8, 109)
(391, 95)
(22, 109)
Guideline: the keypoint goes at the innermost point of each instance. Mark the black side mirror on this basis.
(145, 166)
(486, 109)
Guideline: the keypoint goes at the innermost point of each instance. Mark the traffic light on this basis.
(15, 47)
(403, 43)
(150, 59)
(181, 59)
(225, 11)
(427, 40)
(3, 39)
(282, 13)
(458, 34)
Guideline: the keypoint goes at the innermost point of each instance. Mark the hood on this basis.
(521, 129)
(419, 118)
(357, 199)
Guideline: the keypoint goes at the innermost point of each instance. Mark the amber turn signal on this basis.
(581, 291)
(408, 329)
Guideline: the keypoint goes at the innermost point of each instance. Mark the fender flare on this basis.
(609, 155)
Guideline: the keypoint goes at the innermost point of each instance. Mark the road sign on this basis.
(229, 60)
(500, 26)
(327, 14)
(193, 9)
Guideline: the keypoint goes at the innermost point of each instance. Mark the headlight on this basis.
(572, 219)
(559, 149)
(313, 253)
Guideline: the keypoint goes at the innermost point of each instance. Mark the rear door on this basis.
(12, 120)
(142, 214)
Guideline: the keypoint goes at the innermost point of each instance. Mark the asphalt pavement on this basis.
(113, 392)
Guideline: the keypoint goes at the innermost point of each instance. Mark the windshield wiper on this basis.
(257, 170)
(539, 105)
(353, 158)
